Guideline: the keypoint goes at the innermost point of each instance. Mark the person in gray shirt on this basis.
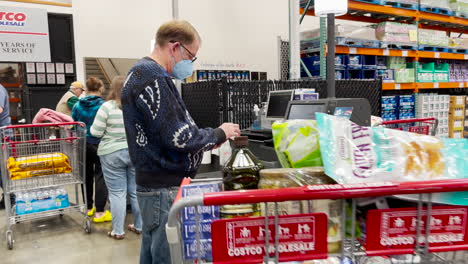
(4, 121)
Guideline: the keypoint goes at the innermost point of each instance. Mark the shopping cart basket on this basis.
(392, 235)
(37, 161)
(424, 126)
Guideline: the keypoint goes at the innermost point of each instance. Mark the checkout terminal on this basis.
(281, 106)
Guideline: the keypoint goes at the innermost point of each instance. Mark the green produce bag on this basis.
(297, 143)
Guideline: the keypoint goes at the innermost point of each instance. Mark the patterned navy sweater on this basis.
(164, 142)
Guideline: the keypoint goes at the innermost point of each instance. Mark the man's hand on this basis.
(231, 130)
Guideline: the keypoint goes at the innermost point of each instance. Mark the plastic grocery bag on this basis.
(352, 153)
(297, 143)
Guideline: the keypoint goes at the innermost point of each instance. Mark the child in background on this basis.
(85, 111)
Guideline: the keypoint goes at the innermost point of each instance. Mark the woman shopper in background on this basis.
(119, 172)
(85, 111)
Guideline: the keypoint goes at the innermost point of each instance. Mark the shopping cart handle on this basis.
(403, 121)
(334, 191)
(46, 125)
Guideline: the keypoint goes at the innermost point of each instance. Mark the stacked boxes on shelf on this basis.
(457, 116)
(435, 3)
(406, 107)
(206, 215)
(393, 32)
(466, 119)
(458, 71)
(460, 7)
(346, 66)
(392, 69)
(397, 107)
(433, 38)
(402, 73)
(437, 106)
(390, 107)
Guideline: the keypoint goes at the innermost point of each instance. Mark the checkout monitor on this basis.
(278, 103)
(305, 109)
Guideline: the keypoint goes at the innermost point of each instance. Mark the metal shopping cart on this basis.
(396, 235)
(35, 159)
(424, 126)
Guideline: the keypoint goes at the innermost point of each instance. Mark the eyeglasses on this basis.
(194, 58)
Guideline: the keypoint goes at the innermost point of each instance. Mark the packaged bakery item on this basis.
(297, 143)
(353, 153)
(38, 162)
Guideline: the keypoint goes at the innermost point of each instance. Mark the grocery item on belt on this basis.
(353, 153)
(285, 178)
(297, 143)
(38, 162)
(33, 173)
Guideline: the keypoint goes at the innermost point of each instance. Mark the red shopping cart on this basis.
(425, 126)
(37, 162)
(423, 233)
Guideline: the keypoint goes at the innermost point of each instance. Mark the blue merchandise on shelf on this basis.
(354, 62)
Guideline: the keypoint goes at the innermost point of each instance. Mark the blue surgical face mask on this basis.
(182, 69)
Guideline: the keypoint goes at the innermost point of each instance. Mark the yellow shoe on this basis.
(91, 211)
(107, 217)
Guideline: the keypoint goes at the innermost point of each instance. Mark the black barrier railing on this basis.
(213, 102)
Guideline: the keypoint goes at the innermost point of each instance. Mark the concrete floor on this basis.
(63, 240)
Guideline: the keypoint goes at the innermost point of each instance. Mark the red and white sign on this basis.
(393, 231)
(242, 240)
(24, 34)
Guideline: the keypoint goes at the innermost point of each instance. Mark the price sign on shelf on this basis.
(397, 86)
(436, 85)
(242, 240)
(352, 50)
(466, 56)
(393, 231)
(461, 85)
(386, 52)
(404, 53)
(437, 55)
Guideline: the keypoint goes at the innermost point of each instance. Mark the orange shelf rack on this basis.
(418, 86)
(400, 53)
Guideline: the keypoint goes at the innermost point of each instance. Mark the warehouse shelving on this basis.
(373, 13)
(418, 86)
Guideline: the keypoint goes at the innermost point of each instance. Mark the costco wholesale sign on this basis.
(393, 231)
(24, 34)
(243, 240)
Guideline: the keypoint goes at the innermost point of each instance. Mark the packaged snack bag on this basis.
(297, 143)
(35, 173)
(38, 162)
(352, 153)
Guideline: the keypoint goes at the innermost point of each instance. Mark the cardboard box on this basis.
(457, 101)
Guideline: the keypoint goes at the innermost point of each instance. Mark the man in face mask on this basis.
(165, 144)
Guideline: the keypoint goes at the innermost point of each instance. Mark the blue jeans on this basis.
(119, 175)
(155, 205)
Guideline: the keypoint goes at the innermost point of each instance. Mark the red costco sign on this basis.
(393, 231)
(242, 240)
